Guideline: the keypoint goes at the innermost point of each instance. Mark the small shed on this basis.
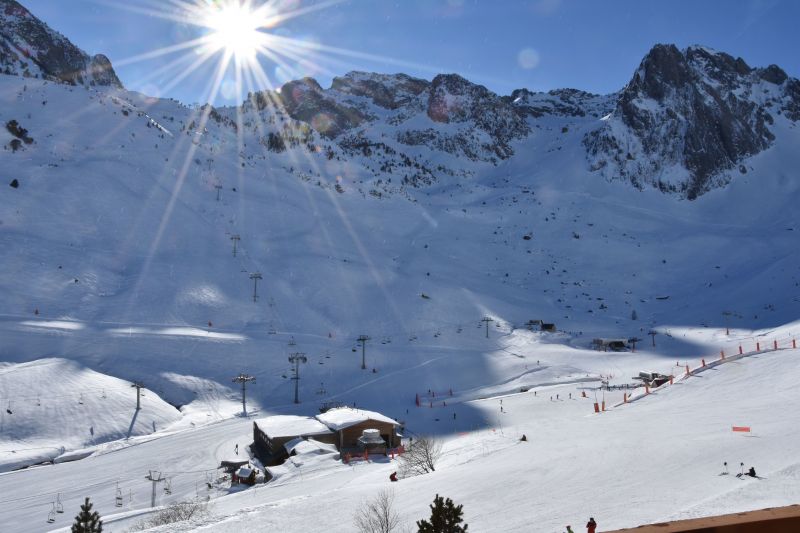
(349, 424)
(547, 326)
(246, 475)
(270, 434)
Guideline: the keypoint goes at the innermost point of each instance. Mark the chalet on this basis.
(270, 434)
(615, 345)
(352, 429)
(341, 429)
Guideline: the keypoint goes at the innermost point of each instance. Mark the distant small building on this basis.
(270, 434)
(654, 379)
(548, 327)
(615, 345)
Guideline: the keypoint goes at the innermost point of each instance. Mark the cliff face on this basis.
(687, 119)
(28, 47)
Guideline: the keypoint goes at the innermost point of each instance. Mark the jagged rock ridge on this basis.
(686, 122)
(28, 47)
(688, 118)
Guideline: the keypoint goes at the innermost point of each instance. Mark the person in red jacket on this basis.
(591, 526)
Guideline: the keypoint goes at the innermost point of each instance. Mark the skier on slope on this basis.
(591, 526)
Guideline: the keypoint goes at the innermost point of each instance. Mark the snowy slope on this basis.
(650, 460)
(129, 210)
(81, 409)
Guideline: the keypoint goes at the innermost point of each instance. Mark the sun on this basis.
(235, 28)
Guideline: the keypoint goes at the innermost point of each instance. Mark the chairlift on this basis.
(80, 399)
(118, 497)
(59, 505)
(38, 401)
(168, 486)
(104, 394)
(8, 408)
(51, 516)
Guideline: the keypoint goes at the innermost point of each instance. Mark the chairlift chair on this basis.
(59, 505)
(51, 516)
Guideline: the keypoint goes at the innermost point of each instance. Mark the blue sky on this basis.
(504, 44)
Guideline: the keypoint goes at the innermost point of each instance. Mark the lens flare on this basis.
(235, 28)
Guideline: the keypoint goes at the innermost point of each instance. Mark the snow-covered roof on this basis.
(245, 471)
(301, 446)
(344, 417)
(291, 426)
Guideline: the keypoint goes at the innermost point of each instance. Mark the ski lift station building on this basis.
(341, 427)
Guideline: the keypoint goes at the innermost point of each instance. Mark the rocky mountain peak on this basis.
(389, 91)
(454, 99)
(688, 118)
(28, 47)
(306, 101)
(560, 103)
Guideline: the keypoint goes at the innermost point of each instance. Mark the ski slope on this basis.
(621, 466)
(81, 410)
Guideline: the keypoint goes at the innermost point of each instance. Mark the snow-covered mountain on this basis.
(688, 120)
(30, 48)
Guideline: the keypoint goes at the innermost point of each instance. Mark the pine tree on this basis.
(445, 518)
(87, 521)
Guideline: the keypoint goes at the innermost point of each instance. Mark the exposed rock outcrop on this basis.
(28, 47)
(688, 118)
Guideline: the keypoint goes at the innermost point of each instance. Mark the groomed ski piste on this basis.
(119, 269)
